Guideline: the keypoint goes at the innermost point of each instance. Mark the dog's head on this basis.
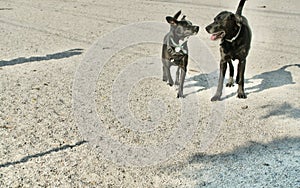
(225, 26)
(181, 28)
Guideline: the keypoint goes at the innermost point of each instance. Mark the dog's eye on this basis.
(184, 24)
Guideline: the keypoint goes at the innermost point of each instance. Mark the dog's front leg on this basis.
(177, 76)
(223, 67)
(182, 68)
(240, 81)
(167, 73)
(230, 82)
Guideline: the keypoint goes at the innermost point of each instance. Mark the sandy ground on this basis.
(43, 44)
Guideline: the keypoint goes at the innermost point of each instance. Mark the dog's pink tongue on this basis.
(213, 37)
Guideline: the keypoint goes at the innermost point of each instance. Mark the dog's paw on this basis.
(242, 95)
(230, 84)
(179, 95)
(215, 98)
(171, 83)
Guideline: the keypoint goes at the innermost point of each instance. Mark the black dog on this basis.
(235, 35)
(175, 50)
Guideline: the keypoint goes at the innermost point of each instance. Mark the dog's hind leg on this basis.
(230, 82)
(240, 81)
(223, 67)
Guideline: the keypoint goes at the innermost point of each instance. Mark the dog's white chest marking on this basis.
(179, 47)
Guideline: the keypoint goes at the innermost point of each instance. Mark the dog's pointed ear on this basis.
(177, 15)
(171, 20)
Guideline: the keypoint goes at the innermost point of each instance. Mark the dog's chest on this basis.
(233, 50)
(176, 51)
(178, 62)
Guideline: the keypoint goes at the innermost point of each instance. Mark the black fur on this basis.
(235, 34)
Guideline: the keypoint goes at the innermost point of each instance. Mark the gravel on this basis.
(236, 143)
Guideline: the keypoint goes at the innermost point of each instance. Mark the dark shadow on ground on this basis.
(6, 8)
(203, 81)
(60, 55)
(270, 79)
(273, 79)
(37, 155)
(285, 109)
(273, 164)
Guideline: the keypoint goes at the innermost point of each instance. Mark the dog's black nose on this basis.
(196, 29)
(208, 28)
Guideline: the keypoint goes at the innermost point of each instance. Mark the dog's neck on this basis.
(236, 36)
(180, 46)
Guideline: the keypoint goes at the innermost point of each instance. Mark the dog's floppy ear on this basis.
(177, 15)
(171, 20)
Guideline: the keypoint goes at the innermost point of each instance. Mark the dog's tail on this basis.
(240, 7)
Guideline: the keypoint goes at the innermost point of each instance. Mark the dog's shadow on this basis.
(195, 83)
(271, 79)
(200, 82)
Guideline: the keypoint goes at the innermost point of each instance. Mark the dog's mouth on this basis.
(217, 35)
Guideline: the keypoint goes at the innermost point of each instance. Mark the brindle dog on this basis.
(175, 49)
